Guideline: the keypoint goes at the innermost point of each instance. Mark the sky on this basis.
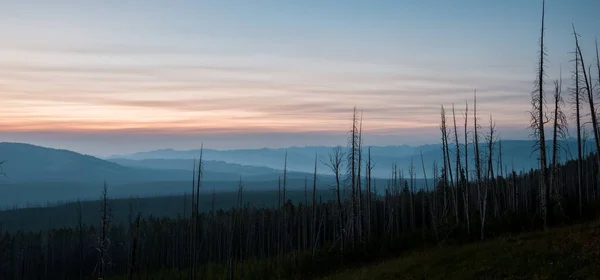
(109, 77)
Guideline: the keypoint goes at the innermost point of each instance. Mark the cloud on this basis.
(153, 91)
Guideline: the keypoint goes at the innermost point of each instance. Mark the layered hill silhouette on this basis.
(37, 175)
(516, 154)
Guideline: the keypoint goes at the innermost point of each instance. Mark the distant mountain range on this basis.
(39, 175)
(517, 154)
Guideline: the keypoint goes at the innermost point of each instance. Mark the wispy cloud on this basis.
(223, 70)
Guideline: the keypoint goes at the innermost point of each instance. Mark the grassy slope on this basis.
(564, 253)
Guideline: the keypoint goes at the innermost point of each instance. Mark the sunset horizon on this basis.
(233, 76)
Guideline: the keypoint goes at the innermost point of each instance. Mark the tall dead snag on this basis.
(352, 157)
(196, 209)
(447, 172)
(559, 132)
(370, 166)
(335, 164)
(411, 171)
(193, 224)
(598, 93)
(359, 182)
(587, 86)
(577, 96)
(491, 139)
(538, 119)
(481, 199)
(458, 166)
(103, 239)
(444, 130)
(285, 179)
(314, 209)
(465, 172)
(284, 209)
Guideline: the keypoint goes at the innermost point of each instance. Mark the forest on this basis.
(361, 219)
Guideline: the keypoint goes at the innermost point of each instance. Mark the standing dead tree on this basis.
(538, 120)
(490, 182)
(466, 170)
(195, 205)
(444, 130)
(559, 132)
(588, 87)
(577, 100)
(104, 240)
(336, 159)
(457, 168)
(481, 199)
(352, 166)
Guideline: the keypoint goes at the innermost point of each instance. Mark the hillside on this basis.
(210, 167)
(39, 175)
(562, 253)
(65, 215)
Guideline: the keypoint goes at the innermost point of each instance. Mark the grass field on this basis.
(563, 253)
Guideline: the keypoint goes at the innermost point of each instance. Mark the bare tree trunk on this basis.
(193, 225)
(411, 172)
(195, 218)
(458, 166)
(491, 179)
(444, 131)
(335, 163)
(590, 95)
(480, 197)
(560, 126)
(359, 183)
(314, 205)
(352, 173)
(577, 95)
(538, 119)
(466, 171)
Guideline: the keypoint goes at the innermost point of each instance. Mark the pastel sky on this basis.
(105, 77)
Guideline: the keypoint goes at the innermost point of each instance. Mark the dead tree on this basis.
(359, 182)
(491, 139)
(559, 132)
(577, 96)
(336, 159)
(314, 205)
(370, 166)
(103, 239)
(538, 120)
(444, 131)
(458, 166)
(587, 86)
(466, 170)
(196, 205)
(352, 157)
(480, 194)
(411, 171)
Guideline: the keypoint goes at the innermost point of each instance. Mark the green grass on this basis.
(564, 253)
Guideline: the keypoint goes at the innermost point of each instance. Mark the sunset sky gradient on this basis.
(105, 77)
